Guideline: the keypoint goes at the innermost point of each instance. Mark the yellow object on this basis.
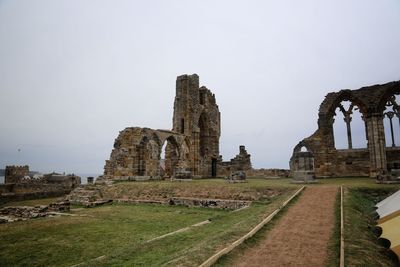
(391, 231)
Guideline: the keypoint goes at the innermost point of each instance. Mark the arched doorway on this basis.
(169, 157)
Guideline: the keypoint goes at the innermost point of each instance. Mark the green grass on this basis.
(120, 233)
(361, 244)
(334, 242)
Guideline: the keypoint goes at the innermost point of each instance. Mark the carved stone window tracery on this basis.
(392, 110)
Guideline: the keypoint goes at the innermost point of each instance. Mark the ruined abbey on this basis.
(380, 159)
(191, 147)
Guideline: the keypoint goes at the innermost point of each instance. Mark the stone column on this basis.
(347, 120)
(390, 115)
(376, 144)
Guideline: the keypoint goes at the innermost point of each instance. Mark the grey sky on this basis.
(75, 73)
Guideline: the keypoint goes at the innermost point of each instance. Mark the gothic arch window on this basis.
(391, 121)
(303, 149)
(169, 157)
(349, 126)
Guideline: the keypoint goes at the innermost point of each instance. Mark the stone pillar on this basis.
(376, 144)
(390, 115)
(347, 120)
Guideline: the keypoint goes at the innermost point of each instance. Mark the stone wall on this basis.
(25, 187)
(14, 174)
(374, 160)
(210, 203)
(240, 162)
(268, 173)
(192, 146)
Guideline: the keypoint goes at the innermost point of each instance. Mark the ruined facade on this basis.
(13, 174)
(375, 103)
(191, 147)
(240, 162)
(20, 185)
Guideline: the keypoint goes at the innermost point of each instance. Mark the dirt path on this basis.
(300, 237)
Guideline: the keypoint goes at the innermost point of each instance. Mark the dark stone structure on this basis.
(191, 147)
(20, 186)
(241, 163)
(14, 174)
(374, 103)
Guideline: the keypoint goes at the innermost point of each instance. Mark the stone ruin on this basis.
(14, 174)
(22, 213)
(240, 163)
(191, 147)
(19, 185)
(317, 154)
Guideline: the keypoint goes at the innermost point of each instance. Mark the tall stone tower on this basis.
(196, 115)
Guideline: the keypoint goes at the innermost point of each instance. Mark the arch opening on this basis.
(391, 121)
(349, 128)
(169, 157)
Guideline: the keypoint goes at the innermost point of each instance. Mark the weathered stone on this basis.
(240, 162)
(63, 206)
(372, 161)
(237, 176)
(268, 173)
(192, 146)
(18, 213)
(209, 203)
(13, 174)
(24, 186)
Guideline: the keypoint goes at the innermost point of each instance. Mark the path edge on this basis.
(213, 259)
(341, 229)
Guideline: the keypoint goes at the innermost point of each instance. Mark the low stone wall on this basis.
(22, 213)
(268, 173)
(209, 203)
(6, 188)
(135, 178)
(7, 197)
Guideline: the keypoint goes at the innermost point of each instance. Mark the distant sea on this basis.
(83, 176)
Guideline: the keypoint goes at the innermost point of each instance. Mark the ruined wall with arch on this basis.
(137, 153)
(376, 158)
(191, 148)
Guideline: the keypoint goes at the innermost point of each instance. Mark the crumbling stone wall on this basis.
(137, 153)
(268, 173)
(19, 185)
(372, 161)
(192, 145)
(14, 174)
(240, 162)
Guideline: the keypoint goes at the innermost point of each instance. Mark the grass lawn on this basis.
(361, 244)
(119, 232)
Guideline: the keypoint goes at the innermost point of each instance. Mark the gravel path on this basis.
(301, 236)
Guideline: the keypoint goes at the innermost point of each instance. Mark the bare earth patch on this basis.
(301, 236)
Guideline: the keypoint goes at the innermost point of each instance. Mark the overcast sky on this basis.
(75, 73)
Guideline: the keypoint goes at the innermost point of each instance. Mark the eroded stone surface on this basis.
(191, 147)
(374, 161)
(20, 185)
(22, 213)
